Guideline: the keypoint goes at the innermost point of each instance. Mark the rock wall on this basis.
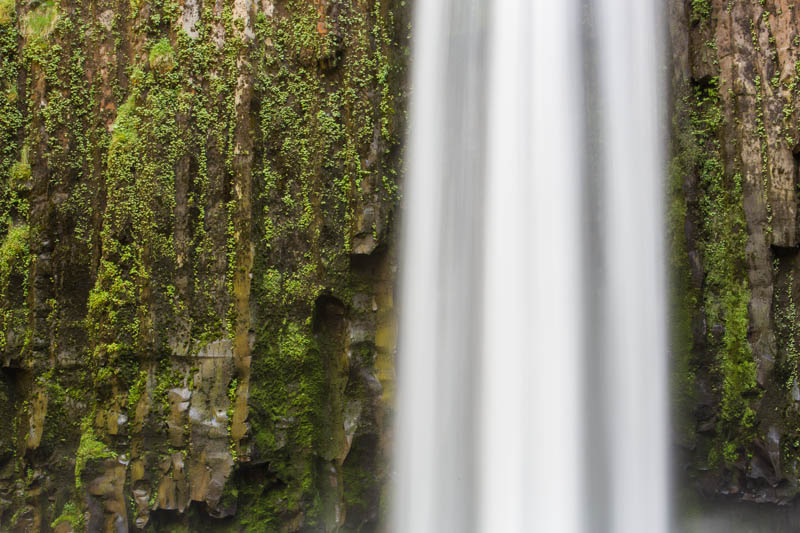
(197, 205)
(734, 234)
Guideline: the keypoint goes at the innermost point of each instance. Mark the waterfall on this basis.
(532, 365)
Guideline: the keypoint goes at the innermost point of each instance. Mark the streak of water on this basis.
(532, 365)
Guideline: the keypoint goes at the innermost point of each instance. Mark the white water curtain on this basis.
(531, 367)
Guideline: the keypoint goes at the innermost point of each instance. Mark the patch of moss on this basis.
(70, 513)
(20, 174)
(161, 57)
(111, 318)
(89, 449)
(285, 408)
(40, 22)
(14, 252)
(167, 378)
(700, 10)
(135, 392)
(726, 291)
(10, 115)
(15, 260)
(8, 10)
(137, 267)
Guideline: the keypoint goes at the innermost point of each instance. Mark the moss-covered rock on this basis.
(189, 194)
(734, 231)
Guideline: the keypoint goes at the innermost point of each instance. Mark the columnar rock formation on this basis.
(735, 245)
(197, 205)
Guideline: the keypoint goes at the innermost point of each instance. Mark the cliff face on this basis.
(197, 206)
(196, 210)
(734, 236)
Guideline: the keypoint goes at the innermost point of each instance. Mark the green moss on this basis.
(124, 135)
(10, 115)
(40, 22)
(701, 10)
(14, 253)
(20, 174)
(137, 267)
(89, 449)
(111, 312)
(319, 130)
(135, 392)
(162, 57)
(287, 399)
(726, 292)
(15, 260)
(271, 285)
(737, 365)
(167, 378)
(7, 11)
(70, 513)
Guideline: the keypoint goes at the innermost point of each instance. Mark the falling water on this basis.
(532, 364)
